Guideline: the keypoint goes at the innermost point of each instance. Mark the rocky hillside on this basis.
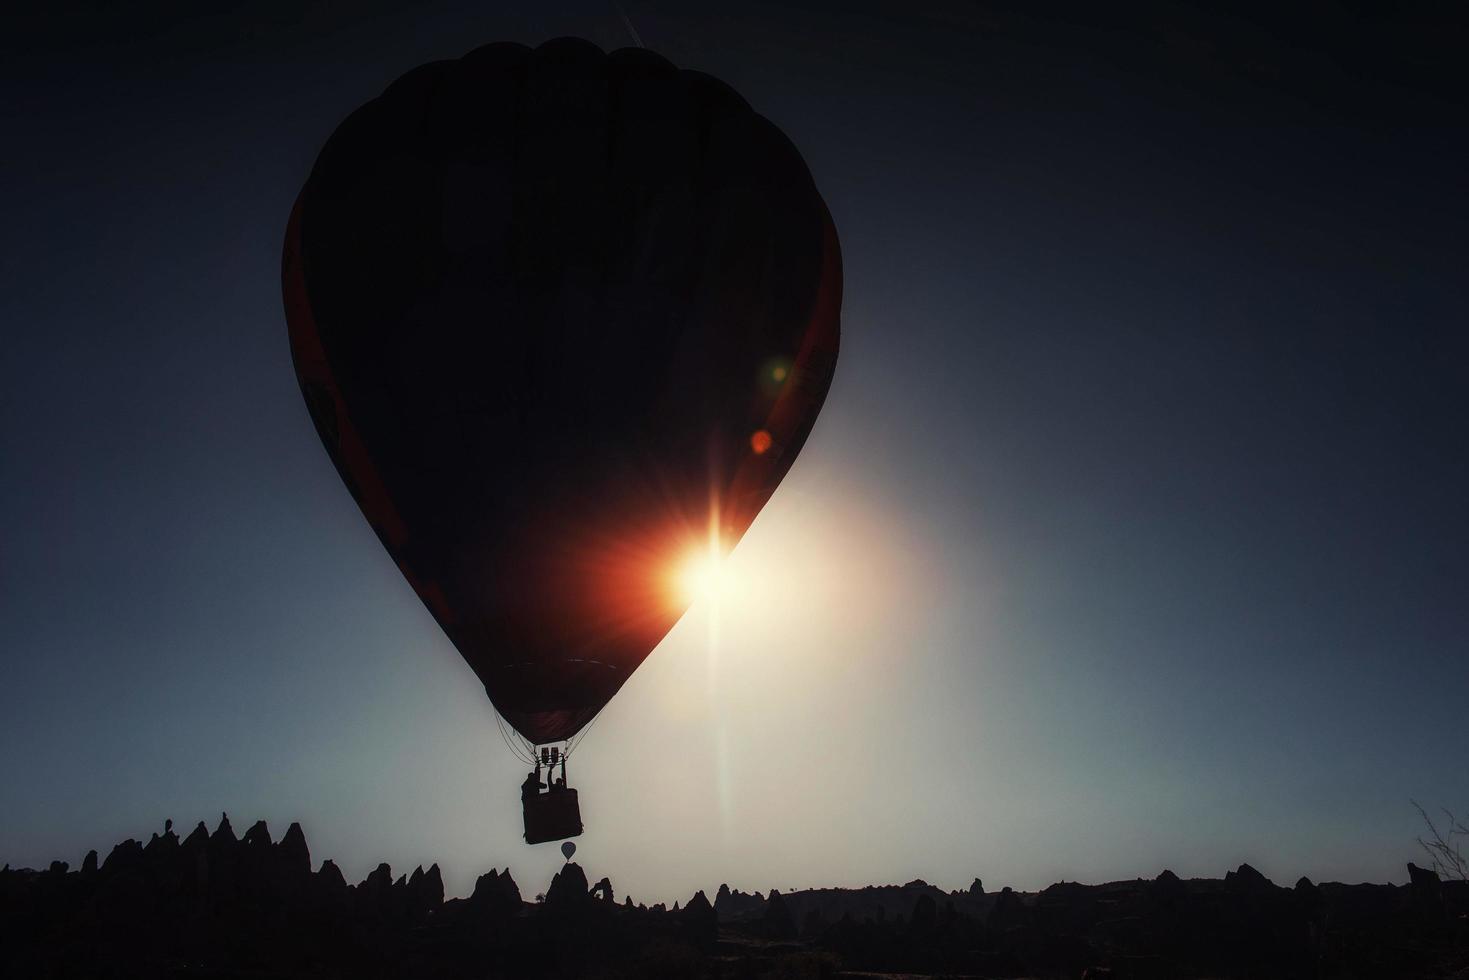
(214, 905)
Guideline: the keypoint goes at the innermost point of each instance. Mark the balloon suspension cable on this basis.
(574, 743)
(518, 746)
(627, 22)
(526, 751)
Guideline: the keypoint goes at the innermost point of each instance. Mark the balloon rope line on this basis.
(575, 743)
(518, 751)
(521, 747)
(513, 749)
(627, 22)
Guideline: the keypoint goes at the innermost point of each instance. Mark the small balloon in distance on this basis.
(568, 849)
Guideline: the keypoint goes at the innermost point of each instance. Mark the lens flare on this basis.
(702, 578)
(760, 442)
(704, 574)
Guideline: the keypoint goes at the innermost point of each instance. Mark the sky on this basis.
(1132, 535)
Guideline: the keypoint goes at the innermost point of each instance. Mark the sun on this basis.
(703, 577)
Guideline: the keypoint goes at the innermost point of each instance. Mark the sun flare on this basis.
(704, 576)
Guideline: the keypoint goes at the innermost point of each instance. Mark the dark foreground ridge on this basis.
(217, 906)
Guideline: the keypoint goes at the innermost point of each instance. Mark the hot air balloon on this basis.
(559, 317)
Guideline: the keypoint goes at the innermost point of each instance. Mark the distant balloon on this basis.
(557, 315)
(567, 849)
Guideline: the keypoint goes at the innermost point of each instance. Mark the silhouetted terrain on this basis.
(218, 906)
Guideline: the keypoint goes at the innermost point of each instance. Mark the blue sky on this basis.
(1132, 534)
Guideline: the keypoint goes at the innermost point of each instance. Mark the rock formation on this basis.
(250, 906)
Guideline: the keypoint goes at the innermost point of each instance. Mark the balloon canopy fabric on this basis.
(560, 317)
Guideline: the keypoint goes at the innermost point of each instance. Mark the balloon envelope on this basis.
(560, 317)
(568, 849)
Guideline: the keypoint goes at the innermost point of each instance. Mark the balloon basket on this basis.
(553, 815)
